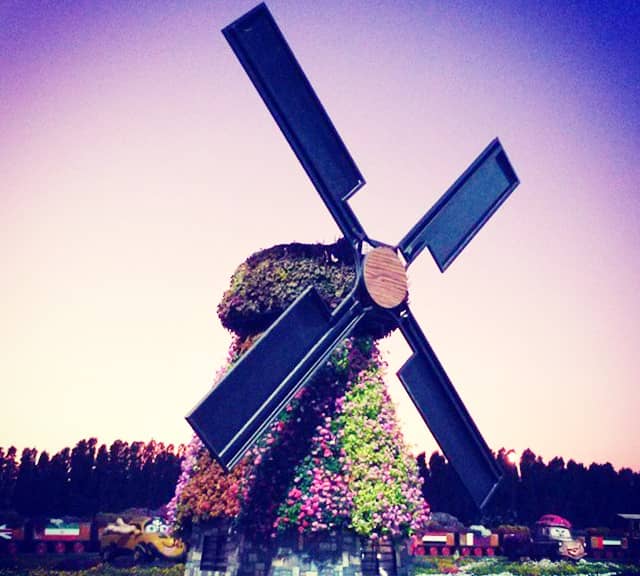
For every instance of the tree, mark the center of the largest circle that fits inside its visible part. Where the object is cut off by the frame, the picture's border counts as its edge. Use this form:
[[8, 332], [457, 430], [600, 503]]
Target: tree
[[602, 488], [444, 490], [166, 466], [137, 491], [59, 480], [26, 483], [82, 502], [8, 477], [504, 504], [42, 493], [116, 497], [100, 479]]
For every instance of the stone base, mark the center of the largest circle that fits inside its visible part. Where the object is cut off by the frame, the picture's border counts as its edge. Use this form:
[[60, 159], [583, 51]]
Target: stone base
[[216, 550]]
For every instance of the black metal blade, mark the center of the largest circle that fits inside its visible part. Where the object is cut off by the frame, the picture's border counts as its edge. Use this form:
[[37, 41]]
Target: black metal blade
[[446, 416], [274, 71], [463, 209], [246, 401]]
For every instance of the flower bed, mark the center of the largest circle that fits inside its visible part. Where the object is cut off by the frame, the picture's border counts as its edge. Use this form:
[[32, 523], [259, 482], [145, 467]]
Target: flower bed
[[98, 570], [335, 457], [500, 567]]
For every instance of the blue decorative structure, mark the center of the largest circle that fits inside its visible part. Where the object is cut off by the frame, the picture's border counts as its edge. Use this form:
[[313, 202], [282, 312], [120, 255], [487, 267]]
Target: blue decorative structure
[[235, 413]]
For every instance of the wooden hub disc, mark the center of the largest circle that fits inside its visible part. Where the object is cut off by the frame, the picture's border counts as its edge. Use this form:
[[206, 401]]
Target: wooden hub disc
[[385, 277]]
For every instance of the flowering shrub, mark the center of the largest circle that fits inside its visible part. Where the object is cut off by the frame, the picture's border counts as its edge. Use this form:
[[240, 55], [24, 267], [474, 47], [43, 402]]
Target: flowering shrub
[[335, 456], [319, 497], [358, 472], [206, 491], [270, 280], [384, 480]]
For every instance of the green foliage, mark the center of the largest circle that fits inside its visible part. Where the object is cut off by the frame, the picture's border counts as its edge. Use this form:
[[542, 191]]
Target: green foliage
[[270, 280], [334, 457], [494, 566], [384, 482], [358, 472], [99, 570]]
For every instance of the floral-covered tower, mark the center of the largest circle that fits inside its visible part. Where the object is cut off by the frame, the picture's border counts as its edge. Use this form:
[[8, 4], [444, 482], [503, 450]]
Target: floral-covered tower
[[334, 461]]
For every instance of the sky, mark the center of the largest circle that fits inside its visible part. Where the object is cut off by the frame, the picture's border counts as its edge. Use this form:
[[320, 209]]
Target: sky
[[139, 167]]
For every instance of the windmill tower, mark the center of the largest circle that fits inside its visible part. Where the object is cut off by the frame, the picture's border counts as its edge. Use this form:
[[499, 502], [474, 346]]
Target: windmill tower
[[243, 407]]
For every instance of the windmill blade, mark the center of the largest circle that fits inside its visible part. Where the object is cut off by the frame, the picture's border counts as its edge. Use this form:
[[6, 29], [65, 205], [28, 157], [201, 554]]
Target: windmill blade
[[267, 59], [446, 416], [463, 209], [246, 401]]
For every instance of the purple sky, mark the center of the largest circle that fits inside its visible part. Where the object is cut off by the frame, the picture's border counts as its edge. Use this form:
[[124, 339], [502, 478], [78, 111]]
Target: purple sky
[[138, 168]]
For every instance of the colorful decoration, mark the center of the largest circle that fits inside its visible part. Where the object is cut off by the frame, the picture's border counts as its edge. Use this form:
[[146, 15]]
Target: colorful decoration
[[335, 457]]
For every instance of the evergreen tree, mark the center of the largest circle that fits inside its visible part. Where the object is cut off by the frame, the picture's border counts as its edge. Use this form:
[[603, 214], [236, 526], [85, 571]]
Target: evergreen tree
[[100, 480], [166, 467], [116, 477], [59, 481], [80, 477], [555, 490], [26, 483], [136, 490], [577, 493], [149, 473], [8, 477], [43, 493], [602, 489], [531, 486]]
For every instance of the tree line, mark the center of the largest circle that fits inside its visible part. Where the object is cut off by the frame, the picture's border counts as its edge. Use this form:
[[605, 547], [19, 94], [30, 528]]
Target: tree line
[[88, 479], [587, 496]]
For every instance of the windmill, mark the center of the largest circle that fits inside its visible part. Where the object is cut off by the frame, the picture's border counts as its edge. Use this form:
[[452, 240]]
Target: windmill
[[231, 418]]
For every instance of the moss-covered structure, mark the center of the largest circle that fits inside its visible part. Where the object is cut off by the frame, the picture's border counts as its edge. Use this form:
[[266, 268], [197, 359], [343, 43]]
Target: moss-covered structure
[[334, 458]]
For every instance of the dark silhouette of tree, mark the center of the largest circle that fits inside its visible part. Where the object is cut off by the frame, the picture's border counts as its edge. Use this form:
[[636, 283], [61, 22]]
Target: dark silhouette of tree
[[100, 479], [8, 477], [42, 493], [577, 504], [116, 497], [423, 469], [444, 491], [59, 479], [555, 489], [627, 480], [82, 502], [166, 467], [87, 479], [532, 474], [149, 472], [602, 488], [503, 508], [136, 494], [26, 483], [588, 497]]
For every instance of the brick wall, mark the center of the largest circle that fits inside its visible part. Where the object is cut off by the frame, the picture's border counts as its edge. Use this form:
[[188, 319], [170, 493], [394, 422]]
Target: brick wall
[[215, 550]]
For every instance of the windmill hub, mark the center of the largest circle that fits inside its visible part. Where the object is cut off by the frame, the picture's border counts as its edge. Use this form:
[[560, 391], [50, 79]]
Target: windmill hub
[[385, 277]]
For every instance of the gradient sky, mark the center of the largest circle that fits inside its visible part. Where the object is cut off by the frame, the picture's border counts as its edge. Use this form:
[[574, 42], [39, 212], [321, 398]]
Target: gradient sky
[[138, 168]]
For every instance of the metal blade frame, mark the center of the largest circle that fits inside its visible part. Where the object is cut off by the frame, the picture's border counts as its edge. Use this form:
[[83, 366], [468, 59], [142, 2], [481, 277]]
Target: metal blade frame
[[272, 67], [339, 326], [445, 229], [446, 416], [463, 209]]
